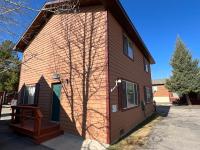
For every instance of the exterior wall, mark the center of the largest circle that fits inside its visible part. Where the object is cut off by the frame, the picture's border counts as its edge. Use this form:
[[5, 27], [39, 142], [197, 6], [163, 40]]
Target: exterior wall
[[162, 91], [161, 100], [49, 53], [162, 94], [120, 66]]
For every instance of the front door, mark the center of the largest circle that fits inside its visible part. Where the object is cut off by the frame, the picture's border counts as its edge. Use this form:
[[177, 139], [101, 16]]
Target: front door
[[55, 116]]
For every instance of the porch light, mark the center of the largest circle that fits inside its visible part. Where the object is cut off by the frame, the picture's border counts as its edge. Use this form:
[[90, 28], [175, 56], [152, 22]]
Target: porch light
[[116, 84], [56, 76]]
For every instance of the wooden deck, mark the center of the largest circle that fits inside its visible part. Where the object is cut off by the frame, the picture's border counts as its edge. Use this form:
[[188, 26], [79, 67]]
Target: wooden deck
[[28, 120]]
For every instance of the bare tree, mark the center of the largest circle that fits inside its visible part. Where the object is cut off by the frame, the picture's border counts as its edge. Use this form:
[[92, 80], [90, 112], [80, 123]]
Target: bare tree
[[10, 11]]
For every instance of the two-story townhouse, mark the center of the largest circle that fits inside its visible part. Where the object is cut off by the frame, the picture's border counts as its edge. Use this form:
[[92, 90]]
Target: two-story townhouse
[[89, 71]]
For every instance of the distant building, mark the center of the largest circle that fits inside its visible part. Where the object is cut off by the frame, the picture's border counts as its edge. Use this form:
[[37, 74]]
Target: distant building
[[161, 93]]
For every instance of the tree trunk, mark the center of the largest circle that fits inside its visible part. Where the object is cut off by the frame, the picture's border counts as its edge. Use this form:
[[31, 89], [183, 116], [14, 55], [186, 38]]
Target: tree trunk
[[188, 99], [1, 100]]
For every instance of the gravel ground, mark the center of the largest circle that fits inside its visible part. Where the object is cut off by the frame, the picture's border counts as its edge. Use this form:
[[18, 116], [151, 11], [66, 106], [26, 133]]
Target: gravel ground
[[178, 130]]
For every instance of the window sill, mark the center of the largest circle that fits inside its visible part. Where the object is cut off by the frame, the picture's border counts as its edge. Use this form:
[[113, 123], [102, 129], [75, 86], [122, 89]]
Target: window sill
[[131, 59], [149, 103], [129, 108]]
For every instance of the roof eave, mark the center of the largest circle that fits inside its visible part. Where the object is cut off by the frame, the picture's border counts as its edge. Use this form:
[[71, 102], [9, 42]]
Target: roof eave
[[21, 44], [151, 59]]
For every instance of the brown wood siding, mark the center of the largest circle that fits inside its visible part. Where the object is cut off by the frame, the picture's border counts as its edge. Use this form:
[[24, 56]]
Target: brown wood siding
[[120, 66], [162, 91], [48, 57]]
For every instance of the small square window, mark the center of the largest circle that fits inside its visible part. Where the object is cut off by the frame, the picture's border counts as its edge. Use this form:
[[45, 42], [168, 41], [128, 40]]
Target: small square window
[[155, 89], [146, 65]]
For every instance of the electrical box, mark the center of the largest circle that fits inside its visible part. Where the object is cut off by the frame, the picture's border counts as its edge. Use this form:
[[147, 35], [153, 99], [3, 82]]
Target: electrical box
[[114, 108]]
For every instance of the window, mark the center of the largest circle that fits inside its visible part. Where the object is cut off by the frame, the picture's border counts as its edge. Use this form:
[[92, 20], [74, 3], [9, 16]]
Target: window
[[146, 65], [129, 94], [148, 94], [128, 47], [29, 94], [155, 89]]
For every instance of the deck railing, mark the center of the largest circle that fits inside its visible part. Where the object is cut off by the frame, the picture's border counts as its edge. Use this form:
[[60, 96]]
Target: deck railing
[[20, 114]]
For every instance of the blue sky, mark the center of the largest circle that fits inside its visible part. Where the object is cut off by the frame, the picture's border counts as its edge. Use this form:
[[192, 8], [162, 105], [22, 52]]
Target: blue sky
[[158, 22]]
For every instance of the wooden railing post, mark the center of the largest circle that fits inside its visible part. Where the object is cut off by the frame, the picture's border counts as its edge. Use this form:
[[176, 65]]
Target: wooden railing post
[[12, 115], [38, 122], [22, 117], [23, 111]]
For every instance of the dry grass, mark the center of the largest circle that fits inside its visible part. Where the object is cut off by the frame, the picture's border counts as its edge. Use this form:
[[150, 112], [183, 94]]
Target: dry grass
[[138, 137]]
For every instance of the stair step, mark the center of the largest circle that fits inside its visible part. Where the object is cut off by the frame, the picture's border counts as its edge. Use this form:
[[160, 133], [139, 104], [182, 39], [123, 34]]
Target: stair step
[[50, 129]]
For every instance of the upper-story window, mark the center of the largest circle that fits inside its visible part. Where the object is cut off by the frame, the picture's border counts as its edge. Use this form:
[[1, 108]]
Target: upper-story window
[[146, 65], [128, 47]]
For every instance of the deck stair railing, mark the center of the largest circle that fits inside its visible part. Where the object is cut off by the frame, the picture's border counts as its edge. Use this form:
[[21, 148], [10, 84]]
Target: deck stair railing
[[21, 114]]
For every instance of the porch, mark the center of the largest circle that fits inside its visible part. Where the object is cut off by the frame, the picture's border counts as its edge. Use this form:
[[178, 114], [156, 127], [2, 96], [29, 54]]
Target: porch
[[29, 120]]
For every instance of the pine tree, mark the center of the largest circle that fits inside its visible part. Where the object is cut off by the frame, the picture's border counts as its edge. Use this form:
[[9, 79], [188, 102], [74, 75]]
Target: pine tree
[[185, 77], [9, 67]]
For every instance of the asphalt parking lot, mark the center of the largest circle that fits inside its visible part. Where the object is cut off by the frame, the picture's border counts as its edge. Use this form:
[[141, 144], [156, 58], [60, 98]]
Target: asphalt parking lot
[[178, 130]]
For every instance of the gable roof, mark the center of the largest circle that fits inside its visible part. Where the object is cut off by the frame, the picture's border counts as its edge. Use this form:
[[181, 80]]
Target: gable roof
[[114, 6], [159, 82]]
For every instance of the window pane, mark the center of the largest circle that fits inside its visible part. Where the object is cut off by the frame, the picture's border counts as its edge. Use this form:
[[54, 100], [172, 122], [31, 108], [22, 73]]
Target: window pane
[[146, 65], [124, 98], [148, 94], [130, 50], [125, 44], [127, 47], [130, 94], [136, 94], [155, 88], [147, 68], [29, 95]]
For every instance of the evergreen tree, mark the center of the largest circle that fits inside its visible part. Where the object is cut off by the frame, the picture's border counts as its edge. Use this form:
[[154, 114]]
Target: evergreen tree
[[9, 67], [185, 77]]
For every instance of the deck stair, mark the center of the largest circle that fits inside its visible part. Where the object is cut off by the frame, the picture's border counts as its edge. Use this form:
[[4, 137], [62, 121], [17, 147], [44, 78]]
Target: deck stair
[[29, 120]]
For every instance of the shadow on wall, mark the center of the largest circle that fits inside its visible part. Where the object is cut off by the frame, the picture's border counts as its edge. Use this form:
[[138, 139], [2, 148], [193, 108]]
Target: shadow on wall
[[44, 99], [79, 60], [71, 114]]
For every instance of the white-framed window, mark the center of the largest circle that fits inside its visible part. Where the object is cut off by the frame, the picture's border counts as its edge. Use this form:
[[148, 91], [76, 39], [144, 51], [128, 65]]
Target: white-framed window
[[128, 47], [155, 88], [146, 65], [148, 94], [130, 94]]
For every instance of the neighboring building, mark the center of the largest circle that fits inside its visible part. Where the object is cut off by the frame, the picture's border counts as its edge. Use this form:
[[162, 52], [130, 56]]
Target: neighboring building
[[52, 70], [161, 94]]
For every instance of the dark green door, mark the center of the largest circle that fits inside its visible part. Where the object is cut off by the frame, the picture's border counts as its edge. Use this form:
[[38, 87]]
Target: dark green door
[[56, 102]]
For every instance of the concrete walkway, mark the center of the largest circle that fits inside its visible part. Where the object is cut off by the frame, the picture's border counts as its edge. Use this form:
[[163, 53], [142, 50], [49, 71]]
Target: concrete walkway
[[71, 142], [180, 130]]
